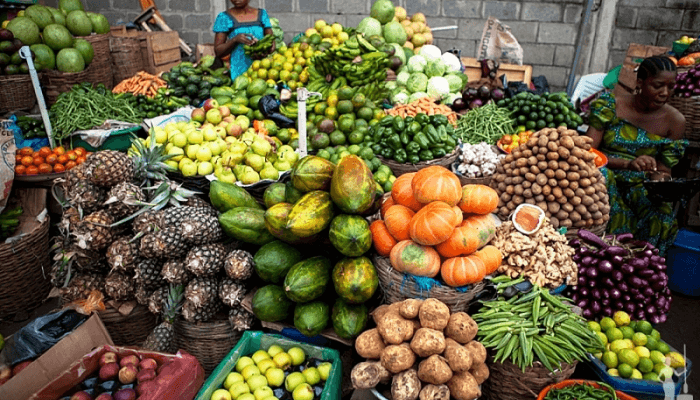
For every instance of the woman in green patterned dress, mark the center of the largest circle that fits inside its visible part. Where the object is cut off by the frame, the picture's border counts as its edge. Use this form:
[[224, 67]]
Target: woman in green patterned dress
[[642, 137]]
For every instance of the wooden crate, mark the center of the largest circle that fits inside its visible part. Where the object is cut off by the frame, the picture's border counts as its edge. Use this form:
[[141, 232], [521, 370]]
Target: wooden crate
[[160, 50], [514, 73], [206, 49], [121, 31]]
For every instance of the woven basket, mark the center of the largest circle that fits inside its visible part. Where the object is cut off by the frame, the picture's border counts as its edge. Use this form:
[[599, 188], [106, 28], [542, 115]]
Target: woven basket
[[690, 108], [400, 169], [101, 70], [463, 180], [398, 287], [17, 93], [209, 341], [128, 330], [508, 382], [24, 267], [55, 82], [126, 57], [597, 230]]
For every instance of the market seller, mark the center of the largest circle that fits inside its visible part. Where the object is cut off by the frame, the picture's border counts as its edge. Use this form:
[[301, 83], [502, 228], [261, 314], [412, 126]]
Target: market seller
[[642, 137], [238, 26]]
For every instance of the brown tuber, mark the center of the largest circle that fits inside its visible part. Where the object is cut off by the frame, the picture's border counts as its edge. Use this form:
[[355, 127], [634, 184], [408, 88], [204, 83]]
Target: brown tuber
[[463, 386], [409, 308], [435, 392], [477, 351], [367, 375], [369, 344], [480, 372], [434, 314], [461, 327], [457, 356], [427, 342], [397, 358], [406, 385], [435, 370]]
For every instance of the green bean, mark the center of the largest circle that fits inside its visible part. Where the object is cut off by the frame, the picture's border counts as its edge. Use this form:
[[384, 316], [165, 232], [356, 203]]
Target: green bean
[[485, 124]]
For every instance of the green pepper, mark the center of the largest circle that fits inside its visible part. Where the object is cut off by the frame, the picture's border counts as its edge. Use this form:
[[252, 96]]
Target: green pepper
[[450, 142], [376, 134], [413, 159], [413, 148], [387, 153], [439, 152], [450, 129], [425, 155], [376, 148], [398, 124], [384, 143], [394, 142], [414, 127], [405, 138], [400, 156], [386, 121], [422, 140], [408, 120], [422, 119], [431, 133], [439, 119], [442, 133]]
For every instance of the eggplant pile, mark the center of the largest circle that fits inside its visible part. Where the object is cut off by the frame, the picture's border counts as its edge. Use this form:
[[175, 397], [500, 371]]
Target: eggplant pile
[[619, 273], [476, 97], [688, 83]]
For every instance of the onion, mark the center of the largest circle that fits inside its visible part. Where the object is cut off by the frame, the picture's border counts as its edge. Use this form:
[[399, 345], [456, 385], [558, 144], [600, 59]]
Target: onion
[[574, 297], [582, 270], [583, 292], [596, 293], [595, 307], [629, 307], [582, 280], [617, 260], [587, 261], [655, 319], [619, 305], [640, 314], [586, 313]]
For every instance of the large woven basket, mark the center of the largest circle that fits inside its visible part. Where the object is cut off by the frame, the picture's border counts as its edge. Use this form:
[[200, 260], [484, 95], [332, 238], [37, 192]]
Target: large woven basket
[[485, 180], [55, 82], [690, 108], [126, 57], [128, 330], [508, 382], [101, 70], [398, 287], [209, 341], [400, 169], [17, 93]]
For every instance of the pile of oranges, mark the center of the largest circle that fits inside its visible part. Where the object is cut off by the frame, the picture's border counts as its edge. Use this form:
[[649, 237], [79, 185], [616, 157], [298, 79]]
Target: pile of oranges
[[47, 161]]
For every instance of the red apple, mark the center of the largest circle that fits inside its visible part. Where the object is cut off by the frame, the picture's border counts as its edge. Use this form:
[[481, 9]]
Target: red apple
[[81, 396], [5, 372], [209, 104], [104, 396], [148, 363], [108, 357], [128, 374], [132, 359], [225, 111], [125, 394], [109, 371], [229, 119], [19, 367], [233, 129], [146, 375], [146, 387], [198, 115]]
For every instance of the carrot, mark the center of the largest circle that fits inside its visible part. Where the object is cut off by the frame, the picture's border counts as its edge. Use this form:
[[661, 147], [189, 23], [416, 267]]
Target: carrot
[[141, 83]]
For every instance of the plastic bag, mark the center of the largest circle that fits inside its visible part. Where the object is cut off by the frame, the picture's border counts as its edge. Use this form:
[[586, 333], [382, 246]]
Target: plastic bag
[[539, 83], [40, 335], [270, 107], [498, 43]]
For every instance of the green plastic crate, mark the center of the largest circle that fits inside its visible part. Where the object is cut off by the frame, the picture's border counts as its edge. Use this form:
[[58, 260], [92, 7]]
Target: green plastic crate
[[118, 140], [253, 341]]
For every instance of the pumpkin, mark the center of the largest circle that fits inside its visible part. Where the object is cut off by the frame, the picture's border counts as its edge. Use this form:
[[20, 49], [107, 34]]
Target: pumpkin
[[436, 183], [402, 193], [491, 257], [462, 242], [412, 258], [388, 202], [396, 220], [460, 214], [460, 271], [485, 226], [433, 224], [381, 238], [478, 199]]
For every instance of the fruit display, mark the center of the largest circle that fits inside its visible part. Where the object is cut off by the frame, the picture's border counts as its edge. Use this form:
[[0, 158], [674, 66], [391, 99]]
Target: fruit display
[[275, 374], [9, 221], [323, 32], [194, 82], [430, 72], [508, 143], [477, 160], [534, 326], [381, 173], [448, 229], [451, 363], [47, 161], [260, 48], [7, 372], [288, 64], [395, 26], [556, 171], [485, 124], [536, 112], [634, 349], [619, 273], [31, 127], [10, 61]]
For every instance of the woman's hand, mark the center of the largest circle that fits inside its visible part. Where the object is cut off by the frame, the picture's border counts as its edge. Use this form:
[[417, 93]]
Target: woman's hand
[[245, 39], [643, 163]]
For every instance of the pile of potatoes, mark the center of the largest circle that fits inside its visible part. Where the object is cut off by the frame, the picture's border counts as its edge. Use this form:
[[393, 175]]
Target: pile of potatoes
[[556, 171], [424, 350]]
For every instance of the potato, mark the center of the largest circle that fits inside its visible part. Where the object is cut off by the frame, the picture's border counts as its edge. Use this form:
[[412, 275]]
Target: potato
[[461, 327], [394, 329], [435, 370], [463, 386], [435, 392], [427, 342], [409, 308], [434, 314], [368, 374], [477, 351], [370, 344], [397, 358], [405, 386], [457, 356]]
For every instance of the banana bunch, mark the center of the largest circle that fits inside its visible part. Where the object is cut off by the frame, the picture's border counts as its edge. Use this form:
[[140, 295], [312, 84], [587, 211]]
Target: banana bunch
[[344, 62], [260, 48], [290, 109], [9, 221], [375, 91]]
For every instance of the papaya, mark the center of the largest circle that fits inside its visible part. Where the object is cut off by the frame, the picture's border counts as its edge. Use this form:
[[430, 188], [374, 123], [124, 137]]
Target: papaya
[[355, 279], [270, 304], [349, 320], [311, 318], [312, 173], [307, 280], [350, 235], [291, 194], [276, 223], [238, 109], [273, 261], [311, 214], [246, 224], [353, 188], [225, 196], [274, 194]]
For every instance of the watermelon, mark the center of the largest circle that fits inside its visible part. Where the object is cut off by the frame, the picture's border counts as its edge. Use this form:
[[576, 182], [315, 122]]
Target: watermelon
[[348, 320], [270, 304], [353, 186], [307, 280], [312, 173], [350, 235], [274, 260], [311, 318], [355, 279]]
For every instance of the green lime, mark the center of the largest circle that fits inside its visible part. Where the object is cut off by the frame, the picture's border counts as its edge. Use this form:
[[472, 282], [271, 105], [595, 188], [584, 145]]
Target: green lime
[[594, 326], [541, 124], [613, 372], [610, 359], [621, 318], [663, 347], [629, 357], [356, 137], [323, 153], [337, 137], [366, 153], [636, 374], [633, 325], [381, 177], [655, 334], [603, 338], [644, 327], [625, 370], [639, 339], [354, 149], [613, 334], [618, 345], [530, 125], [657, 357], [652, 343], [645, 365], [651, 376], [627, 332], [607, 323]]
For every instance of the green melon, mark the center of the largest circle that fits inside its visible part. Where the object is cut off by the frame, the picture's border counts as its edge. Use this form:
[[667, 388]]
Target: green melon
[[350, 235], [270, 304], [85, 48], [307, 280], [58, 37], [78, 23], [24, 29], [355, 279], [44, 57], [41, 15], [311, 318], [66, 6], [273, 261], [349, 320], [70, 60], [99, 22], [58, 17]]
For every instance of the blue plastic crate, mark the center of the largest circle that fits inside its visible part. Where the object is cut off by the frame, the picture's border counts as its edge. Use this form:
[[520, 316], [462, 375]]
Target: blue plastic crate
[[683, 261]]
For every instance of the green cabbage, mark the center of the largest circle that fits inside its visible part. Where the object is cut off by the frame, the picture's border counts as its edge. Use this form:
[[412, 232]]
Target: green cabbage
[[402, 78], [418, 82], [417, 63], [435, 68], [455, 82], [438, 87]]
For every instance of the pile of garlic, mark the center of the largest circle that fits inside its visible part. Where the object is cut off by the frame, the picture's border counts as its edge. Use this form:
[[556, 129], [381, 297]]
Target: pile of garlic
[[478, 160]]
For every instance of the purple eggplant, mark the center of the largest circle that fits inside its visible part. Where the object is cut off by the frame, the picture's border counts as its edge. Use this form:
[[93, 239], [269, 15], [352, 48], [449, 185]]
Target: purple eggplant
[[605, 267], [607, 311], [595, 293], [617, 275], [582, 281], [615, 293], [582, 303], [592, 239], [629, 308], [583, 292], [645, 273], [624, 237], [617, 260], [648, 292], [592, 272], [608, 282], [605, 302], [627, 269], [626, 298], [588, 314], [497, 94], [595, 306], [655, 319], [617, 251]]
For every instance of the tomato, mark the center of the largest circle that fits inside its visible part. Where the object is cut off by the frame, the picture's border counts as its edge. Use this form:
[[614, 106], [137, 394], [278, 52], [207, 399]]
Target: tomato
[[59, 151], [45, 169], [18, 159], [32, 170], [27, 161], [70, 164], [51, 159], [26, 151], [44, 151], [20, 169], [71, 155], [58, 168], [38, 160], [63, 159], [80, 160], [80, 151], [506, 139]]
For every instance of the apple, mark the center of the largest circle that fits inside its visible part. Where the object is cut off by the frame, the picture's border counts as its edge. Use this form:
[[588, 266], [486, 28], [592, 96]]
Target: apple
[[274, 350], [233, 129], [311, 375], [209, 134], [198, 115], [125, 394], [215, 148], [214, 116], [108, 357], [205, 168], [203, 153], [179, 140], [243, 362], [231, 378], [238, 389], [178, 154], [128, 374], [275, 377], [266, 364], [210, 104], [246, 396], [82, 395], [189, 169], [293, 380], [191, 151], [195, 137], [221, 394], [255, 382], [324, 369], [229, 119], [146, 375], [283, 360], [225, 111], [221, 130], [297, 354], [19, 367], [303, 392], [104, 396], [227, 175], [250, 371], [263, 392], [148, 363], [109, 371]]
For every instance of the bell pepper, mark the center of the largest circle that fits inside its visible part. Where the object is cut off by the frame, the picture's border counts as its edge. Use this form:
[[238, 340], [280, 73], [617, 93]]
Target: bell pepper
[[413, 148], [422, 119], [384, 143], [425, 155], [414, 127], [450, 142], [413, 159], [432, 134], [439, 152], [442, 133], [400, 156], [405, 138], [387, 153], [377, 133], [440, 119], [376, 148], [398, 124], [394, 142], [421, 140], [450, 129], [408, 120], [386, 121]]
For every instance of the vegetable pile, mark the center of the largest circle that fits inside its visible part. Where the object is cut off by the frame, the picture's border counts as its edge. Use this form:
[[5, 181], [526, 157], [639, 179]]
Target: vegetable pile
[[536, 326], [9, 221], [161, 104], [537, 112], [142, 83], [688, 83], [194, 83], [412, 140], [544, 257], [476, 97], [619, 273], [31, 127], [450, 362], [478, 160], [583, 391], [485, 124], [429, 74], [556, 171], [424, 105], [509, 142]]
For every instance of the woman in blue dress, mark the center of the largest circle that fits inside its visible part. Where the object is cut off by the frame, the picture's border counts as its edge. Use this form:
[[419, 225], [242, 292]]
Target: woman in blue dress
[[238, 26]]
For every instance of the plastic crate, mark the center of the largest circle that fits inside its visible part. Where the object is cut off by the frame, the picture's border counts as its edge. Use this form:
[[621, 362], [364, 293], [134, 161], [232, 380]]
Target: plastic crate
[[256, 340], [683, 261], [117, 140]]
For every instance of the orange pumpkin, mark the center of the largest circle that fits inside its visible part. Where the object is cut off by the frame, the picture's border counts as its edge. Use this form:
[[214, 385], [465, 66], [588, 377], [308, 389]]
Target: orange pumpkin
[[433, 224], [436, 184], [381, 238], [485, 225], [478, 199], [412, 258], [460, 214], [491, 257], [396, 220], [462, 242], [460, 271], [402, 193], [388, 202]]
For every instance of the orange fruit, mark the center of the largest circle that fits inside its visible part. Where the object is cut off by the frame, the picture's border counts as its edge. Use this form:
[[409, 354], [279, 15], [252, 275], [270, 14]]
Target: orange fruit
[[80, 160], [27, 161], [51, 159], [18, 159], [44, 151], [45, 169], [59, 151], [70, 164], [26, 151], [58, 168], [80, 151], [38, 160], [62, 159], [20, 169], [32, 170], [71, 155]]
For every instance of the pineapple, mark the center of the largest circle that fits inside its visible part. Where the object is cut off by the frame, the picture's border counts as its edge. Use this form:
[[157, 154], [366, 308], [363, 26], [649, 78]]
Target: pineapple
[[80, 192], [205, 260], [146, 222], [59, 274], [201, 229], [124, 199], [231, 292], [107, 168], [148, 273], [203, 314], [118, 286], [174, 272], [198, 202], [174, 216], [142, 295], [157, 300], [201, 291], [161, 339], [94, 232], [81, 285], [122, 255], [239, 265], [71, 218], [241, 320], [167, 243]]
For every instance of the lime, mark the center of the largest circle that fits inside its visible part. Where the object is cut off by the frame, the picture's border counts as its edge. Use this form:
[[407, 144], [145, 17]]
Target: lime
[[594, 326], [663, 347], [354, 149], [645, 365], [607, 323], [323, 153], [630, 345], [644, 327], [639, 339], [610, 359], [337, 137], [367, 153], [603, 338], [636, 374], [345, 107], [628, 357], [633, 325], [655, 334], [618, 345], [651, 376], [381, 177], [657, 357], [365, 113], [624, 370], [627, 332], [652, 343], [642, 351], [346, 93], [621, 318], [356, 137], [598, 355], [613, 334], [613, 372]]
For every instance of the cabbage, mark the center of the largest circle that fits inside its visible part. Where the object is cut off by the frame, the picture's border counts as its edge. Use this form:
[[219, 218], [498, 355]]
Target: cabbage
[[402, 78], [391, 85], [455, 83], [452, 62], [451, 98], [430, 52], [418, 82], [400, 98], [416, 96], [438, 87], [435, 68], [417, 63]]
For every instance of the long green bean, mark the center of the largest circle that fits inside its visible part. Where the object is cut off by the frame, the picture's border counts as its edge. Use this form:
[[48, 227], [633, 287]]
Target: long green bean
[[583, 391], [485, 124]]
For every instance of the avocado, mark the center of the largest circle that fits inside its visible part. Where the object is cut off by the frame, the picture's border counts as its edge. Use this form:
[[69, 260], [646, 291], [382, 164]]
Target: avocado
[[4, 59], [7, 47], [12, 69], [16, 59]]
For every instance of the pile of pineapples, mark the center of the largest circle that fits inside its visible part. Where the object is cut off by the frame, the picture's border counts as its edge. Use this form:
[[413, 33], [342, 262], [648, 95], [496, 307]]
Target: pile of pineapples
[[129, 233]]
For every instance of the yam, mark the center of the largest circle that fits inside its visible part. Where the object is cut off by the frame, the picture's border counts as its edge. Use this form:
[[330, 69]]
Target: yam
[[409, 308], [434, 370], [457, 356], [434, 314], [380, 311], [480, 372], [397, 358], [394, 329], [461, 327], [477, 351], [435, 392], [427, 342], [463, 386], [368, 374], [406, 385], [370, 344]]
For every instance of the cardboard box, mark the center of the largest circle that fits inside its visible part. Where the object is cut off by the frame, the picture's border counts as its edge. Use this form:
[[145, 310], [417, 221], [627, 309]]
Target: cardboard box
[[160, 51], [206, 49], [514, 73], [635, 53], [40, 373]]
